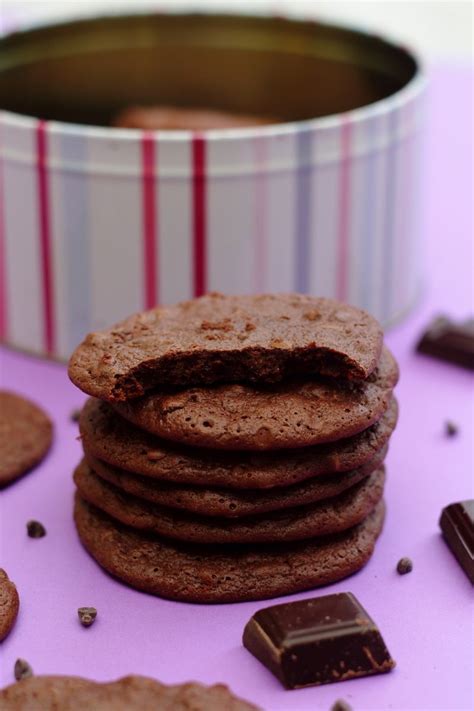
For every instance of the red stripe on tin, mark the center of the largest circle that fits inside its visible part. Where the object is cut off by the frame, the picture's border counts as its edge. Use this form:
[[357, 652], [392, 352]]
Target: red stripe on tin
[[199, 216], [343, 255], [150, 246], [49, 336]]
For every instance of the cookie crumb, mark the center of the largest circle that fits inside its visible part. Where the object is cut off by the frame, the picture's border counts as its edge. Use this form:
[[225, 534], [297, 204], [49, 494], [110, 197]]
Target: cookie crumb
[[404, 566], [155, 456], [35, 529], [341, 705], [22, 670], [75, 415], [451, 429], [87, 615]]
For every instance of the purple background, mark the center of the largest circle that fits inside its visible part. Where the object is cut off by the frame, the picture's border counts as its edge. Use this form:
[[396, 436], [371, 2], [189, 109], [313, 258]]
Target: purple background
[[426, 617]]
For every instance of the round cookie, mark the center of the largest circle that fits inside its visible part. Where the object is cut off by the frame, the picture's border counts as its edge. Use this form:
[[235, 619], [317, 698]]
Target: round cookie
[[108, 437], [210, 574], [322, 518], [70, 693], [26, 434], [232, 503], [177, 118], [217, 338], [288, 415], [9, 605]]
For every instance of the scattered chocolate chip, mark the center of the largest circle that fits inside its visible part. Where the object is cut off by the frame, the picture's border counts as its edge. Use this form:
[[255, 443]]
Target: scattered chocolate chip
[[404, 566], [22, 670], [35, 529], [341, 705], [451, 429], [87, 616], [75, 415]]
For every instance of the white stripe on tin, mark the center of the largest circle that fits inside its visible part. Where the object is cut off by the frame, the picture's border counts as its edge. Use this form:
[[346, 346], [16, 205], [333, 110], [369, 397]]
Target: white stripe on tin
[[325, 187], [280, 218], [115, 233], [377, 247], [22, 246], [230, 235], [174, 223]]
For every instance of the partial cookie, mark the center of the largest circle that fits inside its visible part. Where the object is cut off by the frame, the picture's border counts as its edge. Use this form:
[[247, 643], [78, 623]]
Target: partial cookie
[[9, 605], [26, 434], [289, 415], [219, 338], [211, 574], [70, 693], [232, 503], [321, 518], [106, 436], [178, 118]]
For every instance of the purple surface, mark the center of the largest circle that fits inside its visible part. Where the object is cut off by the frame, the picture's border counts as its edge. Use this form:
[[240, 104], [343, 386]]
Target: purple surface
[[425, 617]]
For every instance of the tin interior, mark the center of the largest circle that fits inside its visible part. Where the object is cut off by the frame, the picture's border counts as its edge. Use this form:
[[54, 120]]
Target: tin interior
[[88, 70]]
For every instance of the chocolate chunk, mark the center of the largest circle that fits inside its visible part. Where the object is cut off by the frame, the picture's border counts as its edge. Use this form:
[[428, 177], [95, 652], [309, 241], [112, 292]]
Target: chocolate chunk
[[75, 415], [35, 529], [457, 525], [449, 341], [317, 641], [87, 616], [22, 670], [341, 705], [404, 566], [451, 429]]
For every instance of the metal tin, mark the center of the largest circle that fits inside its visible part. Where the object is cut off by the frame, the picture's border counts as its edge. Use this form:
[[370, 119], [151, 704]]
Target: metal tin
[[99, 222]]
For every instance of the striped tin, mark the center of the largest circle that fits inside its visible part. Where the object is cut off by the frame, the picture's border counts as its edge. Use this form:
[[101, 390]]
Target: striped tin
[[97, 223]]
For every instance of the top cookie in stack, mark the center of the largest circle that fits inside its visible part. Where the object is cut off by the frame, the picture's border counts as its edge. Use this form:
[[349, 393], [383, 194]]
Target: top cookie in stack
[[261, 421]]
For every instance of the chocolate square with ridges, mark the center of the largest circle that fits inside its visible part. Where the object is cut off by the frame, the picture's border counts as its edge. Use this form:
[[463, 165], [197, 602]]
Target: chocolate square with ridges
[[317, 641], [457, 525]]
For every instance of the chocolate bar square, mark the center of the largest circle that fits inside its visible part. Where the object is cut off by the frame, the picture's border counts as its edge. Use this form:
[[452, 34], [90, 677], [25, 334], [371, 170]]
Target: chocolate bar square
[[457, 525], [317, 641]]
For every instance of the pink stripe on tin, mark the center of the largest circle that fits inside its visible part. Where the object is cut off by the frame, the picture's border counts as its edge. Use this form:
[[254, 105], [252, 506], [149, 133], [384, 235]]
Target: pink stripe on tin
[[150, 246], [344, 212], [49, 335], [259, 277], [199, 215]]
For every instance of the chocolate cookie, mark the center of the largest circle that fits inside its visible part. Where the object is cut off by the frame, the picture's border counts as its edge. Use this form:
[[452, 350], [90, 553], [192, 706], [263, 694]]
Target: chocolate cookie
[[291, 414], [318, 519], [70, 693], [177, 118], [211, 574], [108, 437], [220, 338], [232, 503], [9, 605], [26, 434]]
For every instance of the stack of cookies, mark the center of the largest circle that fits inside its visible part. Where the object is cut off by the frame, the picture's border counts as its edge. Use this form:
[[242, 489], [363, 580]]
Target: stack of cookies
[[234, 446]]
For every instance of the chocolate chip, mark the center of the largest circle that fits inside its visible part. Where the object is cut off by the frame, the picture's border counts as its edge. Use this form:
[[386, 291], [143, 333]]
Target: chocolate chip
[[87, 616], [22, 670], [35, 529], [341, 705], [75, 415], [404, 566], [451, 429]]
